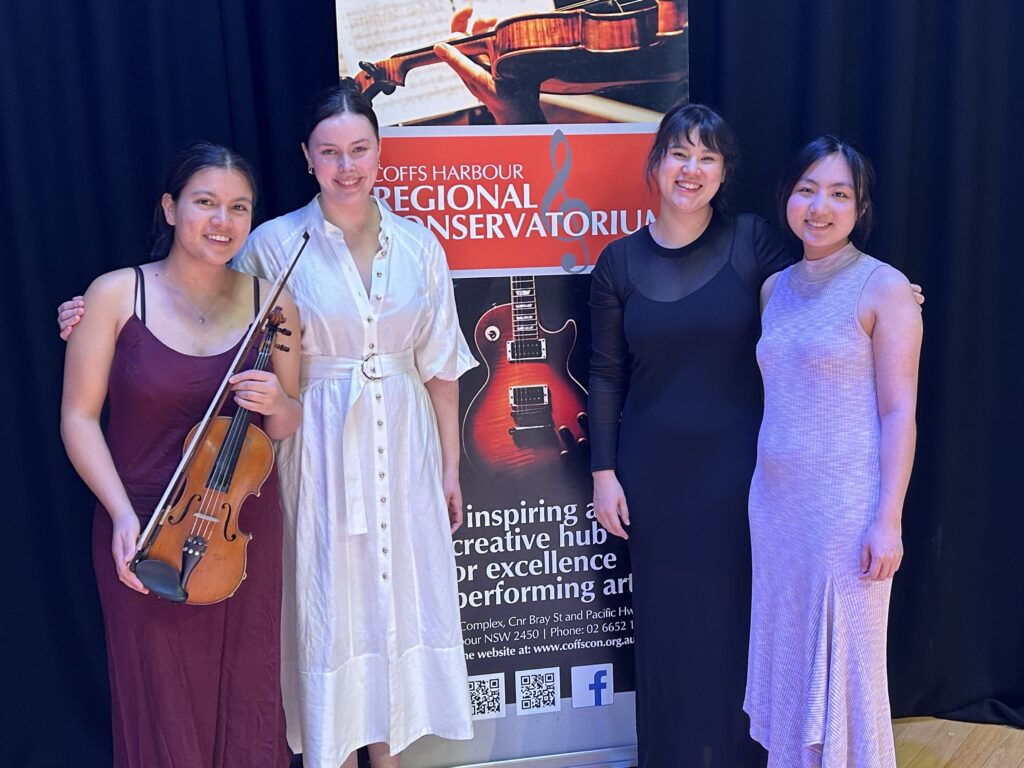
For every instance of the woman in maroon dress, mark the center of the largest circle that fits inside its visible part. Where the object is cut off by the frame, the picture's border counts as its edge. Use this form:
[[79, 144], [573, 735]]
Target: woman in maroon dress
[[191, 686]]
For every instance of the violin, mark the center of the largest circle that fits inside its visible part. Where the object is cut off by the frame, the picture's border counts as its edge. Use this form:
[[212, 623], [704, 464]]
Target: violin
[[193, 551], [586, 47]]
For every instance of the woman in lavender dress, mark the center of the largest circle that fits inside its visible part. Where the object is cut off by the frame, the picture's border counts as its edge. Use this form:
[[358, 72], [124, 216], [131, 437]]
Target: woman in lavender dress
[[839, 356]]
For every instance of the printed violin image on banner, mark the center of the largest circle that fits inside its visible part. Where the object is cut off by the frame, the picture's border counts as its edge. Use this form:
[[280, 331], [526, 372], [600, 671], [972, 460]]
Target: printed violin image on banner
[[524, 62], [584, 47], [531, 410]]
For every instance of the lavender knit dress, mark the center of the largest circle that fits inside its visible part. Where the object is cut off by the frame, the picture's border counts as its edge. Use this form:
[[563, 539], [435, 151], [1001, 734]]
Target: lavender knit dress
[[816, 677]]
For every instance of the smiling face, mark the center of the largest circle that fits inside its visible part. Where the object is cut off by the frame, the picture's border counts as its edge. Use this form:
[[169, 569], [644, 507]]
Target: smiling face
[[689, 175], [344, 152], [822, 206], [212, 214]]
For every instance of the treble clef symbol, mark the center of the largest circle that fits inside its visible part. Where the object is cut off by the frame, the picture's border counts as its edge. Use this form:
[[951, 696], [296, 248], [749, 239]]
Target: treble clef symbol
[[568, 204]]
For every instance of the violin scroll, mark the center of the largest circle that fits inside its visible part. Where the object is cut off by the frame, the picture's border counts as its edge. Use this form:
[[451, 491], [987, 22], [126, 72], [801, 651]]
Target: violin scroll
[[276, 318]]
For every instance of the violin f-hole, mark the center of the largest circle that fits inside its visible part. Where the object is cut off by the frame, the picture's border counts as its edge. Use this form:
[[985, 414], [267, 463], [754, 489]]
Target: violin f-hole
[[196, 498]]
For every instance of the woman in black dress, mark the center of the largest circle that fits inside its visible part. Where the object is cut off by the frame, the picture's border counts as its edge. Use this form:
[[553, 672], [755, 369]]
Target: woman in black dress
[[675, 405]]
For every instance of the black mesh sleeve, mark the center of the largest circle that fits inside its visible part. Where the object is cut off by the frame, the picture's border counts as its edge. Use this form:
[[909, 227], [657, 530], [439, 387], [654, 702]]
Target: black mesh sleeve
[[609, 362], [771, 250]]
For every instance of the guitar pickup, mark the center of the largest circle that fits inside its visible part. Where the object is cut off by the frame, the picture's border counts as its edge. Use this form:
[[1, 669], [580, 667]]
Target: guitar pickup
[[531, 408], [528, 397], [524, 350]]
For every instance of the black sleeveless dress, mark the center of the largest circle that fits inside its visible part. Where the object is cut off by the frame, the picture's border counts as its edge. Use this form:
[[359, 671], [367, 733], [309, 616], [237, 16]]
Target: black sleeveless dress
[[191, 686], [674, 332]]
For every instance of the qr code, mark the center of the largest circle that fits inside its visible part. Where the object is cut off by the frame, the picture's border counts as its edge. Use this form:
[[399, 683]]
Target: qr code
[[487, 696], [537, 690]]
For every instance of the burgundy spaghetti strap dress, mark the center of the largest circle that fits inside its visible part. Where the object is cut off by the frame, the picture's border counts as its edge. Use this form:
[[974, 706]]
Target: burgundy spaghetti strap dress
[[191, 686]]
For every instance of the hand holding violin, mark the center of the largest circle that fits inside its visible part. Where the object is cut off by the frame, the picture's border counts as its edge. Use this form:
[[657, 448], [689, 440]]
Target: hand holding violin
[[260, 392], [123, 545]]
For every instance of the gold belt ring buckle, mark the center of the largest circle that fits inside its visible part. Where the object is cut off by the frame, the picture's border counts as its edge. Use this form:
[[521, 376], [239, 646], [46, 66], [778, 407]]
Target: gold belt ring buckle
[[371, 373]]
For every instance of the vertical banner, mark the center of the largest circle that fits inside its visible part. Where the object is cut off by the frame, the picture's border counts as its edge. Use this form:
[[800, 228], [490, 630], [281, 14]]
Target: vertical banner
[[524, 153]]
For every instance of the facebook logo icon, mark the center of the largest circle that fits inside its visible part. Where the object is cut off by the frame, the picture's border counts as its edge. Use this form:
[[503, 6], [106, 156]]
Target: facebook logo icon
[[593, 685]]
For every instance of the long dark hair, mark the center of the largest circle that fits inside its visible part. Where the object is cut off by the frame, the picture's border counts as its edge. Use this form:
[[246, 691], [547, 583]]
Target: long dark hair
[[861, 169], [189, 160], [698, 123], [343, 98]]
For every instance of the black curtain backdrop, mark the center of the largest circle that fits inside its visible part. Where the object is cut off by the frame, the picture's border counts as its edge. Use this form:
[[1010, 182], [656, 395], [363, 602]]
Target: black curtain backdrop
[[95, 97]]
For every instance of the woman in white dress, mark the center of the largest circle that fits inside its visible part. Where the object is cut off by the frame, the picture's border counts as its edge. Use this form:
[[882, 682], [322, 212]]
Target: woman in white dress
[[371, 639], [372, 646]]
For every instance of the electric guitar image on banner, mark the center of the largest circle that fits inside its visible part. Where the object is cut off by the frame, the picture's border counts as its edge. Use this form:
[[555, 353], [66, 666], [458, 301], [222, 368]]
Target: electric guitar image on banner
[[531, 408]]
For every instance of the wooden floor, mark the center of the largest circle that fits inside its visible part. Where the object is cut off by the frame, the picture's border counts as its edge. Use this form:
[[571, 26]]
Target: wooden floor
[[924, 742]]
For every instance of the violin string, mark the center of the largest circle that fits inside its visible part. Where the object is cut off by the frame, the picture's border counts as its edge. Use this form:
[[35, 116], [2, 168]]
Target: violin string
[[213, 497], [201, 526], [621, 4], [237, 434], [232, 445]]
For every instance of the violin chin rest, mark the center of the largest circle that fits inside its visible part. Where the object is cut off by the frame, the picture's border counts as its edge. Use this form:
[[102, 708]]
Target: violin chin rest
[[161, 579]]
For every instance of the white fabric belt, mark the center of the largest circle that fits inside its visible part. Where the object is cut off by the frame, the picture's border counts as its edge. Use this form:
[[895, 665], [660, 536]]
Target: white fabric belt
[[359, 371]]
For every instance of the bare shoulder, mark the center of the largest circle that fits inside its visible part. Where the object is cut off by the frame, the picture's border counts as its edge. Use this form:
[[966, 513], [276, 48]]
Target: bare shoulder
[[886, 288], [113, 283], [889, 298], [887, 279], [109, 302], [767, 287], [112, 294]]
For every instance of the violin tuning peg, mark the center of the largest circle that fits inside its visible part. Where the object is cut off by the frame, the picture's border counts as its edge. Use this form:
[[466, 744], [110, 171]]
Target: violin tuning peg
[[282, 347], [284, 331]]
